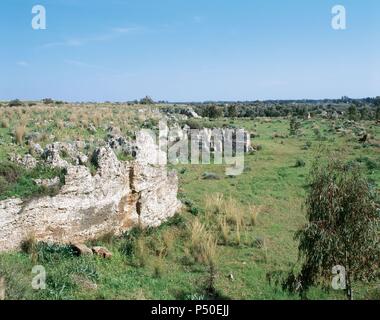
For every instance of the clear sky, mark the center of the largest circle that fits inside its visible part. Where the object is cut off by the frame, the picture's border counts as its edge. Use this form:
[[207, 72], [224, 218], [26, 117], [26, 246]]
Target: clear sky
[[189, 50]]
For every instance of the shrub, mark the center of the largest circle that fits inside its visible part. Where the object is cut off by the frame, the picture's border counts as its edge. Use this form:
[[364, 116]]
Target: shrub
[[4, 123], [210, 176], [48, 101], [15, 103], [129, 241], [50, 252], [307, 145], [194, 124], [300, 163], [213, 112], [10, 172], [294, 126], [369, 163], [3, 184], [29, 246], [147, 100]]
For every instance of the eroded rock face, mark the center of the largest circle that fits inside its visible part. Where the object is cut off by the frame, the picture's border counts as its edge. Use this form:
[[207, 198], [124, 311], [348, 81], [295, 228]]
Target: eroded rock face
[[119, 196]]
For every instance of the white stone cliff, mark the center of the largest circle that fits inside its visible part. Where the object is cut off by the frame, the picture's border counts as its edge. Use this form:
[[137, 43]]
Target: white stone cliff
[[119, 196]]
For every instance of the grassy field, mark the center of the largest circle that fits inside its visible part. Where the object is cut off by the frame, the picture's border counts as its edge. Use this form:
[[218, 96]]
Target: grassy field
[[247, 221]]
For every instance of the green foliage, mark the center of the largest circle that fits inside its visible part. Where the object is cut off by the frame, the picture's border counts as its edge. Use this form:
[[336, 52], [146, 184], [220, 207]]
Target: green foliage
[[122, 156], [343, 226], [353, 113], [147, 100], [16, 181], [50, 252], [48, 101], [307, 145], [369, 163], [232, 111], [377, 115], [213, 112], [130, 239], [15, 103], [194, 124], [294, 126], [300, 163], [210, 176]]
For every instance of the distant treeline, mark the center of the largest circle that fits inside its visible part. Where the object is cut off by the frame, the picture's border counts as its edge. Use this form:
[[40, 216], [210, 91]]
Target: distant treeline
[[354, 109]]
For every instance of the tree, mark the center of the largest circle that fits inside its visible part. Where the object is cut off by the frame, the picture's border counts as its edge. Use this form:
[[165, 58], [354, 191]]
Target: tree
[[147, 100], [15, 103], [294, 126], [48, 101], [232, 111], [377, 105], [363, 114], [214, 112], [352, 113], [377, 102], [343, 226]]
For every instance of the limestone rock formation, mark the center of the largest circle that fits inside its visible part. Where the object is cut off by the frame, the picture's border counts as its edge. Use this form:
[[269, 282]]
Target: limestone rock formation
[[119, 196]]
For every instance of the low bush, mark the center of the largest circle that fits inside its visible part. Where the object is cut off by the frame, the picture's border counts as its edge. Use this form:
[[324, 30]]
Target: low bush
[[300, 163], [15, 103], [210, 176]]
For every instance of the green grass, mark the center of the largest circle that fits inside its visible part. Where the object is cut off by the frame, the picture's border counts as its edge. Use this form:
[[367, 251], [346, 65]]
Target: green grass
[[18, 182], [270, 180]]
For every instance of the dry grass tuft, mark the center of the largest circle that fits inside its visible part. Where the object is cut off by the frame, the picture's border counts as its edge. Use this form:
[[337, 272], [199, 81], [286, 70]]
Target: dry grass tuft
[[214, 203], [4, 123], [158, 266], [234, 212], [202, 244], [139, 295], [29, 246], [141, 252], [254, 212], [168, 238], [20, 134], [223, 229]]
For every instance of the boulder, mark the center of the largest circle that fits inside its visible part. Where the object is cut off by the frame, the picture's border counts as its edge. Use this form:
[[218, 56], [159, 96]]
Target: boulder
[[28, 161], [81, 249], [36, 149], [48, 183], [189, 112], [102, 252]]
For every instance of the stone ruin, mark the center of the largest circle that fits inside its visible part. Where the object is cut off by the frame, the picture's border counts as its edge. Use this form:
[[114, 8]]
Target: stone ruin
[[117, 197]]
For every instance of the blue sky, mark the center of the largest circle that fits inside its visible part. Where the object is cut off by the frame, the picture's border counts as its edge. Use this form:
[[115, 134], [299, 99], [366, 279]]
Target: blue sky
[[189, 50]]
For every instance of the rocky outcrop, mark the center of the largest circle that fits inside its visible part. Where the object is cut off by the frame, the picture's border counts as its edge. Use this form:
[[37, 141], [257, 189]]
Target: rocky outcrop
[[191, 113], [27, 161], [119, 196]]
